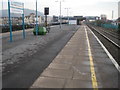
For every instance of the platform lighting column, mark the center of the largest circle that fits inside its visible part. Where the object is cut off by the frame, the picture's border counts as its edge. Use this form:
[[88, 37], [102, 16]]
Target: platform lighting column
[[36, 20], [60, 16], [112, 14], [68, 14]]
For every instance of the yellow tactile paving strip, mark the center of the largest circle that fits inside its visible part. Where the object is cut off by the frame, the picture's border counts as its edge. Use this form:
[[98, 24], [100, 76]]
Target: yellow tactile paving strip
[[70, 68], [93, 74]]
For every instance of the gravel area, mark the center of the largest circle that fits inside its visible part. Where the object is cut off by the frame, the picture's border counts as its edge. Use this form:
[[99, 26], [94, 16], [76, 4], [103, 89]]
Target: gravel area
[[15, 51]]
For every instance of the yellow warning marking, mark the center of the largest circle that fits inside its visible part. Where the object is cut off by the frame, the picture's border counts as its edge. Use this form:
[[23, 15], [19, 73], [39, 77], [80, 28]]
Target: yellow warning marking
[[93, 75]]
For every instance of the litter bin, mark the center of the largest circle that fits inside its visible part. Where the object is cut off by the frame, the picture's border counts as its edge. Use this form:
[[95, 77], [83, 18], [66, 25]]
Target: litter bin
[[41, 31]]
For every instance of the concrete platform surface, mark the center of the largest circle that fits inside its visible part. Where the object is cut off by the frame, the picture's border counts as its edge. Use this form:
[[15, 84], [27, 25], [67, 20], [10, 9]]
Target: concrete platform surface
[[82, 63]]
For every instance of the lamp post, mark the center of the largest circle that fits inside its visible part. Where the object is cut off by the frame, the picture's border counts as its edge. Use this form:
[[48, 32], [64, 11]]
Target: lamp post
[[36, 20], [67, 14], [2, 4], [112, 14], [60, 13]]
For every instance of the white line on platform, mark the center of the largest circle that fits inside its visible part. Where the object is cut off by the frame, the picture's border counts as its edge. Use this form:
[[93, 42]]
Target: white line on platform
[[107, 52]]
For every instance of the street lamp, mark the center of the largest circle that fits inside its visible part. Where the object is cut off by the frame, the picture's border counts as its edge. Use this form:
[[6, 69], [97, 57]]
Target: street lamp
[[67, 14], [60, 13], [36, 20], [2, 4], [112, 14]]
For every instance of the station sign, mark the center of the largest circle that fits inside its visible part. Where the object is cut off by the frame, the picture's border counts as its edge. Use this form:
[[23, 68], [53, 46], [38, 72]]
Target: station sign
[[16, 7]]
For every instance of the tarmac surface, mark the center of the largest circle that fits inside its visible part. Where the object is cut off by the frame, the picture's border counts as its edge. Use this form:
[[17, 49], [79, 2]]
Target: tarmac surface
[[25, 59], [64, 58], [82, 63]]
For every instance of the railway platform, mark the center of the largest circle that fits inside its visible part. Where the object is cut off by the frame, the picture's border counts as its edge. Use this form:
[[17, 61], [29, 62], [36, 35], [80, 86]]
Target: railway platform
[[84, 62]]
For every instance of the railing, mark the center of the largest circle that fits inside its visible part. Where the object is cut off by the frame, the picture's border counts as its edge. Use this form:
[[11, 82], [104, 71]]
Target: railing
[[108, 26]]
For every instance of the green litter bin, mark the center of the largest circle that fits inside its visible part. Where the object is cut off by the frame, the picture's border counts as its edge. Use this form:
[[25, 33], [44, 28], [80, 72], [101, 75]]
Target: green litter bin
[[41, 31]]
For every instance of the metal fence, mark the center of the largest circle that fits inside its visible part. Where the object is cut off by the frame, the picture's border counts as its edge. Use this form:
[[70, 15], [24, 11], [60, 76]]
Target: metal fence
[[111, 26], [108, 26]]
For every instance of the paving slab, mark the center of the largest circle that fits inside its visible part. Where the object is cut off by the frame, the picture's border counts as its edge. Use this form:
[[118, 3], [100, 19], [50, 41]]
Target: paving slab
[[76, 83], [73, 65], [57, 73], [48, 82], [24, 72], [59, 66]]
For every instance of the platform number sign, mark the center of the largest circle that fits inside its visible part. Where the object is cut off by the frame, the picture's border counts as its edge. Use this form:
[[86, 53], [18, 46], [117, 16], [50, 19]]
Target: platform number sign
[[15, 7]]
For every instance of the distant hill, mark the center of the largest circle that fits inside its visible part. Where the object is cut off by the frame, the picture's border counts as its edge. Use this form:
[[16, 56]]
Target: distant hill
[[26, 12]]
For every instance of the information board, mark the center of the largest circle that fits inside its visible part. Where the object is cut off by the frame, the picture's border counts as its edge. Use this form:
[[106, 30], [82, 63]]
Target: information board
[[15, 7]]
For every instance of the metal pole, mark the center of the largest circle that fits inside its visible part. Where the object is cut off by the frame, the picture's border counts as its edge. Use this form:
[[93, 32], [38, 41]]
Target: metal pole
[[2, 11], [23, 23], [67, 12], [112, 14], [9, 20], [46, 21], [36, 20], [60, 14], [2, 4], [67, 15]]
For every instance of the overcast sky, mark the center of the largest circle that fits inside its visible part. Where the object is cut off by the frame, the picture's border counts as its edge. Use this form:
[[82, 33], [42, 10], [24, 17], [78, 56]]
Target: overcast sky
[[77, 7]]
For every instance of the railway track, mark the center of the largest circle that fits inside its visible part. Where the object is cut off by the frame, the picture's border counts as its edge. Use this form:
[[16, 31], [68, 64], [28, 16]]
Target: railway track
[[115, 32], [111, 33], [107, 37], [109, 42]]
